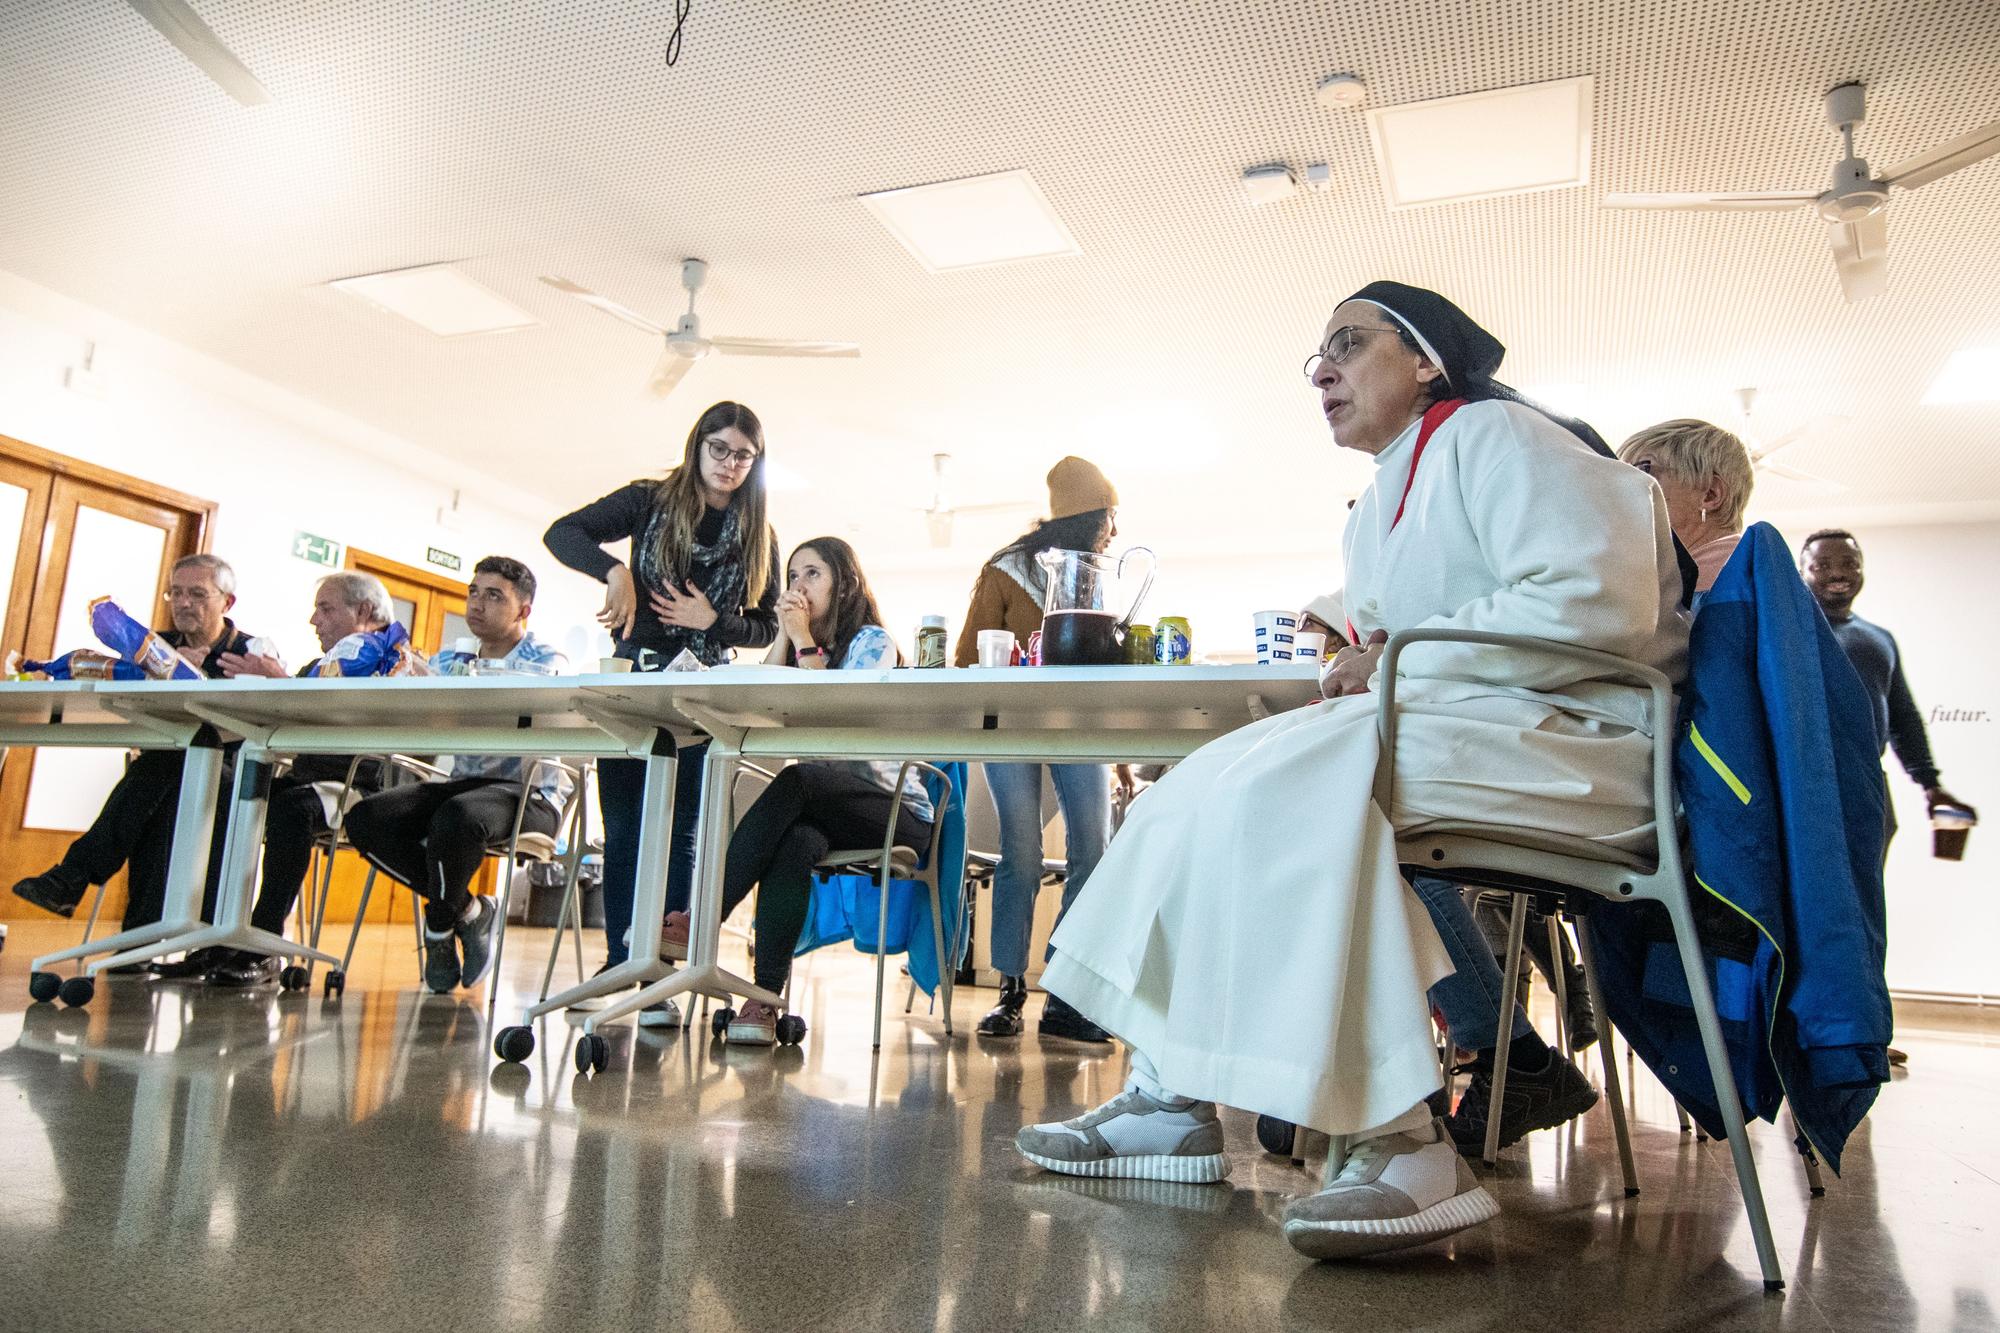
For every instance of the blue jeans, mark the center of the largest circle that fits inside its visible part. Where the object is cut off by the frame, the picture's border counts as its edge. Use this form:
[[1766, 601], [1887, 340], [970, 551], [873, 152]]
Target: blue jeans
[[1470, 997], [1083, 791], [621, 792]]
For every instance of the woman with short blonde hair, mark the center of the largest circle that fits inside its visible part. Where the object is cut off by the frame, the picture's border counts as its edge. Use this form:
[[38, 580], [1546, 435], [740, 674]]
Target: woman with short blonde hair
[[1707, 476]]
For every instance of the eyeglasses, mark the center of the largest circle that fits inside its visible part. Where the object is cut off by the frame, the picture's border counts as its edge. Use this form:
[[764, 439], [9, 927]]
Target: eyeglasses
[[1339, 345], [193, 596], [722, 453]]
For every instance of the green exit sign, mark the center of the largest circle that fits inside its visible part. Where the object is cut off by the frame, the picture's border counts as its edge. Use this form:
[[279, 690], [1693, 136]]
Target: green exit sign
[[316, 550], [442, 559]]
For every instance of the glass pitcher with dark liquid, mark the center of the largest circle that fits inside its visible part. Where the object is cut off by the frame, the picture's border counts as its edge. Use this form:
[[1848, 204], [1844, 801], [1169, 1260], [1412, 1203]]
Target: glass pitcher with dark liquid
[[1082, 620]]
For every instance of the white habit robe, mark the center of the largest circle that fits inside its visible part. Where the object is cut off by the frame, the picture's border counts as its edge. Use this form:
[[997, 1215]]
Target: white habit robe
[[1249, 930]]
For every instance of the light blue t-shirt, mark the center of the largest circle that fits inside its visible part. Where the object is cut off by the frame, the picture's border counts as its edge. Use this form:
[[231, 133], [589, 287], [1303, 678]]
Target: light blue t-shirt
[[871, 649]]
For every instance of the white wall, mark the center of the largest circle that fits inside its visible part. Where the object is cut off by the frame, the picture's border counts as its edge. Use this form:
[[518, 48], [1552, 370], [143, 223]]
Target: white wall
[[274, 463]]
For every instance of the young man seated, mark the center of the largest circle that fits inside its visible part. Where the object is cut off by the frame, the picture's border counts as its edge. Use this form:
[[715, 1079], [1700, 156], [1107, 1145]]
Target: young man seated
[[136, 822], [432, 836], [296, 813]]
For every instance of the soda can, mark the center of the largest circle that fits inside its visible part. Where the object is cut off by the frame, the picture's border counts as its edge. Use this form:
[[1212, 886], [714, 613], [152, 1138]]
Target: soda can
[[1139, 645], [1173, 642], [1035, 648]]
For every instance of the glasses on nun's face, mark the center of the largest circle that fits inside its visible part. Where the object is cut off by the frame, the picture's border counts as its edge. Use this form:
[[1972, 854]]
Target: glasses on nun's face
[[1341, 344]]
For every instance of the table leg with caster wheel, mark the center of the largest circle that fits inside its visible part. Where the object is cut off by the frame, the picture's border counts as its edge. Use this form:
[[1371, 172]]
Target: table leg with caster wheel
[[516, 1043]]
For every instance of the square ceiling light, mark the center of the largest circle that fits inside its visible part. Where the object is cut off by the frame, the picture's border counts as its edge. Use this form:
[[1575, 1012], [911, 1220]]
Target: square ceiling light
[[1970, 375], [970, 223], [438, 298], [1510, 141]]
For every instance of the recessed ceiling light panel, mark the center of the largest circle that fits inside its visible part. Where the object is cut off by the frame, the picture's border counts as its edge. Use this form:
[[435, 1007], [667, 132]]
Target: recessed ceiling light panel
[[1970, 375], [1509, 141], [438, 298], [973, 222]]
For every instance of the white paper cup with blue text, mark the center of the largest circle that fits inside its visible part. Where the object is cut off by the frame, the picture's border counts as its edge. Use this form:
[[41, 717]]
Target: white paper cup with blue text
[[1275, 632], [1308, 647]]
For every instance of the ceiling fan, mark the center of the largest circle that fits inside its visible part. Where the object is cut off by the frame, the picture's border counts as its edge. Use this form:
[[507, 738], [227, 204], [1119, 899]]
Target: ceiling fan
[[1760, 454], [684, 342], [940, 512], [179, 24], [1856, 207]]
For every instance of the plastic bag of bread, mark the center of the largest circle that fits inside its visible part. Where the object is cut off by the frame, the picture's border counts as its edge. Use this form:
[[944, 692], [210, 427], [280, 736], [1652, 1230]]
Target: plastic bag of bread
[[379, 652], [81, 664], [154, 656]]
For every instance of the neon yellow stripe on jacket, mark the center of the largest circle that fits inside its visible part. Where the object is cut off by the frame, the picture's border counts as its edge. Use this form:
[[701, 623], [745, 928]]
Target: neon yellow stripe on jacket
[[1715, 762]]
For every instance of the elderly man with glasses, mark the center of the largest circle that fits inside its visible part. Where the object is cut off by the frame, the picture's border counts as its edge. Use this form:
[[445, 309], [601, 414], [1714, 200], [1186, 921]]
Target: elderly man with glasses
[[137, 818]]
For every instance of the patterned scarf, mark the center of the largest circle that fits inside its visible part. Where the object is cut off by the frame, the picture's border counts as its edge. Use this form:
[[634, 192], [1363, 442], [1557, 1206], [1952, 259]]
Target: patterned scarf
[[716, 569]]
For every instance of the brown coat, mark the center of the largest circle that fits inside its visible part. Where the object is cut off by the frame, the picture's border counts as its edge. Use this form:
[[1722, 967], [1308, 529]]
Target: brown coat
[[998, 602]]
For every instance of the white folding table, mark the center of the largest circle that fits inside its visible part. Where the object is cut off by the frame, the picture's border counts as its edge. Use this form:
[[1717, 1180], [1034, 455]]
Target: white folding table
[[496, 715], [78, 714], [1059, 715]]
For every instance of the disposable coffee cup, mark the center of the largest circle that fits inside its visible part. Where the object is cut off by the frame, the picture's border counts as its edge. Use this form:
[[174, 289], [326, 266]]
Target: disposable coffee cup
[[1274, 631], [1308, 647], [613, 666], [996, 647], [1950, 826]]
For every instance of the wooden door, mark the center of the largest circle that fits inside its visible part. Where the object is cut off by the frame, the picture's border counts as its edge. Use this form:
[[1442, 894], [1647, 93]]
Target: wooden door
[[70, 533]]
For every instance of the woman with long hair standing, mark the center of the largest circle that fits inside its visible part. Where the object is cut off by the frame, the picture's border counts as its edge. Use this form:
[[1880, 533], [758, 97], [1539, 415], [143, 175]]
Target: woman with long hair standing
[[701, 578], [1010, 594], [827, 620]]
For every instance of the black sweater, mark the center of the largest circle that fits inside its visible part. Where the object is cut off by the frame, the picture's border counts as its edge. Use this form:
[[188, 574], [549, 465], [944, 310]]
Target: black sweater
[[578, 541]]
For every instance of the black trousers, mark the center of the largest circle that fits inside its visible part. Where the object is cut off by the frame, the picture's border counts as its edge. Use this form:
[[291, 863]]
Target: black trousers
[[152, 781], [294, 816], [805, 813], [621, 793], [432, 836]]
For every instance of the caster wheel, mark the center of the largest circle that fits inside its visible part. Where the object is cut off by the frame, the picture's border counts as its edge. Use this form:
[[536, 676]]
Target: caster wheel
[[515, 1044], [76, 991], [791, 1030], [44, 986], [294, 978], [1276, 1136], [336, 983], [593, 1053], [719, 1021]]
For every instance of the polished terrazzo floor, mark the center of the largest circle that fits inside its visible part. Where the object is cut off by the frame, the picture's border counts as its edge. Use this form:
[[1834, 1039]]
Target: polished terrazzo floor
[[175, 1158]]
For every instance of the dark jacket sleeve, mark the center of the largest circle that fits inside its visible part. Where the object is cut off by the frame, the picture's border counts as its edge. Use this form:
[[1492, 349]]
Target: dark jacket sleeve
[[577, 539], [757, 626], [1906, 730]]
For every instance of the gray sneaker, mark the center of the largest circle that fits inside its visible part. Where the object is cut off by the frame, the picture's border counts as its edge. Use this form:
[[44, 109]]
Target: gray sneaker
[[1394, 1192], [1134, 1137], [475, 941], [661, 1014], [441, 961]]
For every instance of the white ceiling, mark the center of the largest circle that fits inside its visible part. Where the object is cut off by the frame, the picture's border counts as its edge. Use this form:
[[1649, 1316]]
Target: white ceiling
[[525, 139]]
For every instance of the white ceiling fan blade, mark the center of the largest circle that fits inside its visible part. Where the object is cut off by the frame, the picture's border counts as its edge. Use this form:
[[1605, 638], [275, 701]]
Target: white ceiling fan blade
[[606, 304], [782, 347], [197, 41], [939, 523], [998, 507], [1861, 255], [1732, 202], [1804, 478], [668, 372], [1946, 158]]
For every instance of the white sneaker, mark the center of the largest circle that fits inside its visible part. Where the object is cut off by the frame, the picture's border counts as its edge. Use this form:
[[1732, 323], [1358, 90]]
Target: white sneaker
[[664, 1014], [1135, 1137], [1394, 1192]]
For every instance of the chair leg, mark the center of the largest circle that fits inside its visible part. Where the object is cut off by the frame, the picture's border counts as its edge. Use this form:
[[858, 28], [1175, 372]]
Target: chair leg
[[506, 897], [1612, 1091], [565, 915], [881, 948], [937, 943], [90, 926], [1510, 981], [1559, 984], [326, 859], [1696, 969], [360, 915], [1815, 1183], [1681, 1114]]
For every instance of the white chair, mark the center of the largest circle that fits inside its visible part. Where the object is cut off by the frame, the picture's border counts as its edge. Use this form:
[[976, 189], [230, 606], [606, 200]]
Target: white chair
[[1569, 871]]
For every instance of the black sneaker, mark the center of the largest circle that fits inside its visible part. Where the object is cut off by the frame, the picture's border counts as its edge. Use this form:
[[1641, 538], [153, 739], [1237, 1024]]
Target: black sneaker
[[1553, 1096], [475, 941], [242, 969], [1581, 1015], [1004, 1019], [194, 964], [1060, 1019], [57, 889], [441, 967]]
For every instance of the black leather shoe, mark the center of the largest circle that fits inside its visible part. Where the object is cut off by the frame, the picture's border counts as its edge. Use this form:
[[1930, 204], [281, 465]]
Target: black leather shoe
[[195, 964], [1060, 1019], [57, 889], [243, 968], [1004, 1019]]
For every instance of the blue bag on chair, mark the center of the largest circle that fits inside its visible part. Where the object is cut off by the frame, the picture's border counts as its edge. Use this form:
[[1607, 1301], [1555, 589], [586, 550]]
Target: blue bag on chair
[[848, 907]]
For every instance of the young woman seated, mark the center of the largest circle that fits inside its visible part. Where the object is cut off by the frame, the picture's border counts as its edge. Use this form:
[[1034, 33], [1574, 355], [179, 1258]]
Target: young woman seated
[[827, 620]]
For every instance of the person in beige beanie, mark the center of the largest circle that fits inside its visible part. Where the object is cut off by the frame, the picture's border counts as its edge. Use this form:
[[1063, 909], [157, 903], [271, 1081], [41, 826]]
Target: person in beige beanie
[[1083, 516]]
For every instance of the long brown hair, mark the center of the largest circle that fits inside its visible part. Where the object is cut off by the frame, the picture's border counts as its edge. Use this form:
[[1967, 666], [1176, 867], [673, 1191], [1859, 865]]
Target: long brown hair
[[853, 604], [680, 495]]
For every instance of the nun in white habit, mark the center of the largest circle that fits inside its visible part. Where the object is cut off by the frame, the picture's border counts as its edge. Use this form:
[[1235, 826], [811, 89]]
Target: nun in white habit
[[1249, 933]]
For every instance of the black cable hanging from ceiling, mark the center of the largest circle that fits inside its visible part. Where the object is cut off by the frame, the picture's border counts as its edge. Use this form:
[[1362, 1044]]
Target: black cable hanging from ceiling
[[681, 8]]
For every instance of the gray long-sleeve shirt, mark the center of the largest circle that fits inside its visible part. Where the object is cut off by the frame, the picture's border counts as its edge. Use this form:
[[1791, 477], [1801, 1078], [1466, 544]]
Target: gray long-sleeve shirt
[[1898, 720]]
